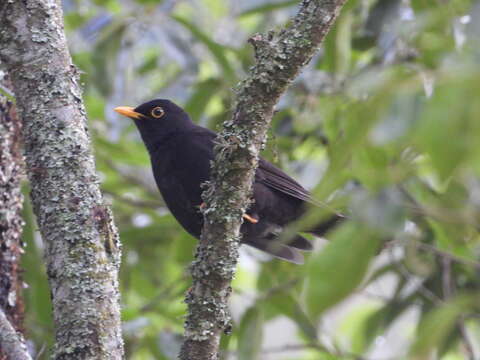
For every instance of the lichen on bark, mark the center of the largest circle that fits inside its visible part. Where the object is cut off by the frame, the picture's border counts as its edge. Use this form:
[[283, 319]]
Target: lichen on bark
[[82, 249], [279, 58], [12, 344], [11, 223]]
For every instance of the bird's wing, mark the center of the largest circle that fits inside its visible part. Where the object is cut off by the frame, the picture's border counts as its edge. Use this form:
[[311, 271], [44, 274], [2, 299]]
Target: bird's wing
[[276, 179], [273, 177]]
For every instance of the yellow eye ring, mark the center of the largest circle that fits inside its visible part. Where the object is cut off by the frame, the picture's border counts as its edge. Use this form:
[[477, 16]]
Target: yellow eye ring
[[157, 112]]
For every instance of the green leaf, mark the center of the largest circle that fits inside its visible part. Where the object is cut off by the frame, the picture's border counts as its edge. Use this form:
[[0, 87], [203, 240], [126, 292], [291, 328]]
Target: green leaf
[[438, 324], [338, 45], [328, 61], [338, 269], [39, 318], [74, 20], [201, 97], [104, 56], [420, 5], [224, 346], [284, 303], [377, 322], [444, 121], [95, 105], [280, 284], [150, 62], [217, 50], [250, 334]]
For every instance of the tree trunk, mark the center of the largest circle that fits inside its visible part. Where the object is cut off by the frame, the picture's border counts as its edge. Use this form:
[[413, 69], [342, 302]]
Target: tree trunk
[[82, 249], [279, 58], [11, 199], [12, 345]]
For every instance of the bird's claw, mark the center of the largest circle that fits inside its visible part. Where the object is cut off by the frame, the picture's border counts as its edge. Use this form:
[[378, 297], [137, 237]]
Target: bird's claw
[[250, 219]]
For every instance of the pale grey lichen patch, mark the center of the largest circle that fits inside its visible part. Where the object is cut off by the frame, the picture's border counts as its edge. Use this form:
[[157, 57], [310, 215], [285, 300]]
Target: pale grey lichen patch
[[279, 58], [11, 223], [81, 241], [12, 344]]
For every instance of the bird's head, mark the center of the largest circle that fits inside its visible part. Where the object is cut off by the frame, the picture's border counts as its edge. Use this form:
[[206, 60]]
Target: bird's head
[[157, 120]]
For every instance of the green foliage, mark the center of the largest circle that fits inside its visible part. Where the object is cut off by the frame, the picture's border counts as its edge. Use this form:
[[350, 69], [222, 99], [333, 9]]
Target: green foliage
[[383, 126], [250, 334], [218, 51], [340, 267], [438, 324]]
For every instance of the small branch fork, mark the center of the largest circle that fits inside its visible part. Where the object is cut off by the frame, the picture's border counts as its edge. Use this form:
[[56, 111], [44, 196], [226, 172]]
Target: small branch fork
[[279, 58]]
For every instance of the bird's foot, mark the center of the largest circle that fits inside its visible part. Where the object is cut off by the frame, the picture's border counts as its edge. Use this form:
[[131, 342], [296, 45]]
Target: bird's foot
[[245, 216], [250, 218]]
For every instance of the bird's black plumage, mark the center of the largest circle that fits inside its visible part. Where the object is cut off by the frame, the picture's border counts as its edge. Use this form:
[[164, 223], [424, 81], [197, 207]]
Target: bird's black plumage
[[181, 151]]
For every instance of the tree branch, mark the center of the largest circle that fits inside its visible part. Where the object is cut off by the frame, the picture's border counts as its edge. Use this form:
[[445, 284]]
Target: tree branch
[[81, 242], [279, 58], [11, 344], [11, 223]]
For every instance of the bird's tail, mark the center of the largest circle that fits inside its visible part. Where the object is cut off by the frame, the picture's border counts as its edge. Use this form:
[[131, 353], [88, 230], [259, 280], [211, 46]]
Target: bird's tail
[[278, 250], [291, 250], [325, 226]]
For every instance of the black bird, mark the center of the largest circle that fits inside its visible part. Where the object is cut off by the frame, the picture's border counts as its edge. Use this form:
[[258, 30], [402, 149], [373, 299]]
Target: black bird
[[180, 153]]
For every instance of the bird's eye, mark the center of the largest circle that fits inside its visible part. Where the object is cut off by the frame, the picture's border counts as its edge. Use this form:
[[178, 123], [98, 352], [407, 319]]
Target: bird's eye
[[157, 112]]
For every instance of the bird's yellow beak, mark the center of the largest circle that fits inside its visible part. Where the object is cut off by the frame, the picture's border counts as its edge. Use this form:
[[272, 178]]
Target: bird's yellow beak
[[128, 111]]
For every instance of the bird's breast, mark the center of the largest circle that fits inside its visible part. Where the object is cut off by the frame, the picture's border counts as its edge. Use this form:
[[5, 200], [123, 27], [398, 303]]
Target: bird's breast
[[183, 208]]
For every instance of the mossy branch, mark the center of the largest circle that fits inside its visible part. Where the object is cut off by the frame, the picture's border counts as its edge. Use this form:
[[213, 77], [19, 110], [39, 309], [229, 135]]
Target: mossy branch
[[279, 58], [82, 248], [11, 222]]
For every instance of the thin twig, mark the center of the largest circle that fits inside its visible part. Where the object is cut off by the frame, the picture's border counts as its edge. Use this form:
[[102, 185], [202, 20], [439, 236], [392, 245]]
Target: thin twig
[[469, 349], [447, 285], [437, 213], [440, 214], [41, 351], [447, 255], [437, 252], [427, 293], [448, 292], [292, 347]]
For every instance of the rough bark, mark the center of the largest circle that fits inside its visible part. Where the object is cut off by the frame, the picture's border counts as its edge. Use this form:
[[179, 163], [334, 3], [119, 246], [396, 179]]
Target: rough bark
[[82, 250], [11, 343], [11, 199], [279, 58]]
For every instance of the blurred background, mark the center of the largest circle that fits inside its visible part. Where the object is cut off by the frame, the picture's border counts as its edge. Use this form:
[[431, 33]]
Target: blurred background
[[383, 124]]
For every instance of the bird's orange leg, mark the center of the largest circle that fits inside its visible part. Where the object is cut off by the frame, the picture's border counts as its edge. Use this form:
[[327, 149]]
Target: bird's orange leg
[[250, 218], [246, 216]]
